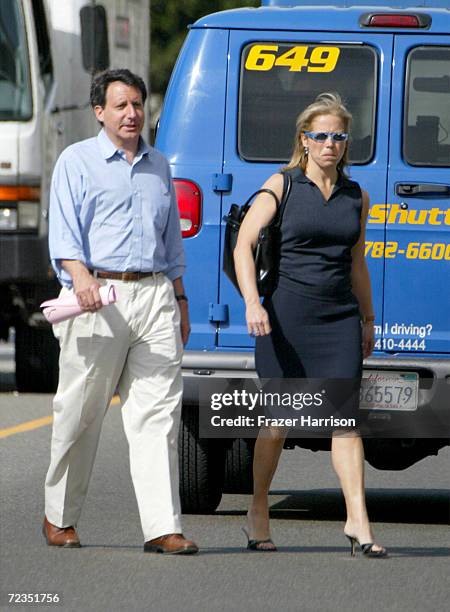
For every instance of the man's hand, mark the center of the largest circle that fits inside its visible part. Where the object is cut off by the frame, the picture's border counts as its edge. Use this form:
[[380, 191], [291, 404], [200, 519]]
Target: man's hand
[[87, 292], [85, 286], [185, 325]]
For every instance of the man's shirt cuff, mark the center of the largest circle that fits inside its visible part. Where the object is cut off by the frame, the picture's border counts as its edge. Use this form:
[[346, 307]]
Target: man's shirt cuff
[[175, 272]]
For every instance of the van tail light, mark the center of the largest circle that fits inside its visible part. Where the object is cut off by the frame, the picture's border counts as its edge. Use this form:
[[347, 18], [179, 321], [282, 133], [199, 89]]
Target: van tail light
[[189, 198], [395, 20]]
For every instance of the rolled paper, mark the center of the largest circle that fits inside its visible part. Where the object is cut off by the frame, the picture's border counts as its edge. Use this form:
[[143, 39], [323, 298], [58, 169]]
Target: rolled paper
[[66, 307]]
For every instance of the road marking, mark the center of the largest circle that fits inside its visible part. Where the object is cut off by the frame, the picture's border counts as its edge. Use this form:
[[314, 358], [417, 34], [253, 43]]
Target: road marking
[[36, 423], [27, 426]]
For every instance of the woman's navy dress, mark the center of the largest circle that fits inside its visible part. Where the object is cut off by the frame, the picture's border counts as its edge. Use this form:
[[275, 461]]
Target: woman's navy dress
[[315, 319]]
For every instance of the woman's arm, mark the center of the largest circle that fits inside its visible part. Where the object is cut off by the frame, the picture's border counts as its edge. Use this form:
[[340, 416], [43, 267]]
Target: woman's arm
[[261, 213], [361, 282]]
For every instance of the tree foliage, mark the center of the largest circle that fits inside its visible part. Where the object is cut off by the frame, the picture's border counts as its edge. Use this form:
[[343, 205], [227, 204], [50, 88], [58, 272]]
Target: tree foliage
[[169, 22]]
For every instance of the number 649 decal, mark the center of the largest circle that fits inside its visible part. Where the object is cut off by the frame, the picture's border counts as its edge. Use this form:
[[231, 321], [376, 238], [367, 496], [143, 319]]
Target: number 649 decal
[[265, 57]]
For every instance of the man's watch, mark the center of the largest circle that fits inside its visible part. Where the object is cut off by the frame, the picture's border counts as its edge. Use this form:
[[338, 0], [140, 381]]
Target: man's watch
[[181, 298]]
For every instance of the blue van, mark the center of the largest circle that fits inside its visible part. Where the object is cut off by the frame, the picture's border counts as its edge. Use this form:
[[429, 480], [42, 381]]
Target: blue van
[[228, 123]]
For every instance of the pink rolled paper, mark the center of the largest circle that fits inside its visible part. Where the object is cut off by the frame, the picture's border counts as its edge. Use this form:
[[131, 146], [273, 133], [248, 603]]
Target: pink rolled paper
[[66, 307]]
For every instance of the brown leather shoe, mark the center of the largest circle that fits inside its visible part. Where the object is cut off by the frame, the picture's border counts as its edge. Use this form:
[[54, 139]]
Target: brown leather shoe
[[172, 544], [60, 536]]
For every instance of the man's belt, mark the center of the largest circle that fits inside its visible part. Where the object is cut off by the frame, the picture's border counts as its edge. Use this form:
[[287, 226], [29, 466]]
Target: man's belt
[[123, 276]]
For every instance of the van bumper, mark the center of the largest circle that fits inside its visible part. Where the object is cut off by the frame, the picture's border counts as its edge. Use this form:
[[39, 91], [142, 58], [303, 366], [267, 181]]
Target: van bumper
[[434, 378]]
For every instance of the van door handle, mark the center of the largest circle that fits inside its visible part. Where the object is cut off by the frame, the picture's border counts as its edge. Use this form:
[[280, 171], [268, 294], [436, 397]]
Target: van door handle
[[421, 189]]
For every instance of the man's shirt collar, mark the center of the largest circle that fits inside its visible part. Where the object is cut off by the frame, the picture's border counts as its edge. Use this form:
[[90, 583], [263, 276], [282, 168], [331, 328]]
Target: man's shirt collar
[[108, 149]]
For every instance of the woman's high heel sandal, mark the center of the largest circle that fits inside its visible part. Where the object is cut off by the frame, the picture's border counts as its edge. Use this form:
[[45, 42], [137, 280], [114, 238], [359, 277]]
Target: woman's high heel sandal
[[256, 544], [367, 549]]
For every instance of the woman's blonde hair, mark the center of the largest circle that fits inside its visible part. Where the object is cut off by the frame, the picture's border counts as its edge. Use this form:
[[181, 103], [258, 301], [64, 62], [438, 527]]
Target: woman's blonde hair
[[324, 104]]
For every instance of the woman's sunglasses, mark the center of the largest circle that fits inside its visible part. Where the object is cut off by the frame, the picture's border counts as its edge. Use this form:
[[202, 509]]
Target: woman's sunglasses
[[323, 136]]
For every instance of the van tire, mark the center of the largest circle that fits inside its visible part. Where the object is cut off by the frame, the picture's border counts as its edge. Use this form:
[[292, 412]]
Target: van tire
[[202, 464], [37, 355], [239, 467]]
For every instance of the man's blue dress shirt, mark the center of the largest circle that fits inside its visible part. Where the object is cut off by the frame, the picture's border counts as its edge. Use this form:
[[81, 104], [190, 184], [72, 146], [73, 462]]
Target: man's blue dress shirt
[[112, 215]]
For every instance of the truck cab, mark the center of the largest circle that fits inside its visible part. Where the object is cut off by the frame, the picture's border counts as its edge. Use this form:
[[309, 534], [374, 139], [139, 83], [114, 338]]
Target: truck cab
[[49, 51]]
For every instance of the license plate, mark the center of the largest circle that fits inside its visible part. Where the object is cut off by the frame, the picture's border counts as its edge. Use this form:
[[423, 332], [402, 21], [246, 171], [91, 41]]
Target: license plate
[[389, 390]]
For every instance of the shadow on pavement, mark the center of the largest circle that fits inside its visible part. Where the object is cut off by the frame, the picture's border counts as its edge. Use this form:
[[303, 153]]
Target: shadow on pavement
[[393, 551], [430, 507]]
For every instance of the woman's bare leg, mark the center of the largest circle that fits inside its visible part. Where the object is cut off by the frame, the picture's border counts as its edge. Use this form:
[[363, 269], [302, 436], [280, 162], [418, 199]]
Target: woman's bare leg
[[347, 454], [268, 447]]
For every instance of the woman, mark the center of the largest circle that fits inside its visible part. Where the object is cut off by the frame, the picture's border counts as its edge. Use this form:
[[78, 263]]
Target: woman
[[319, 321]]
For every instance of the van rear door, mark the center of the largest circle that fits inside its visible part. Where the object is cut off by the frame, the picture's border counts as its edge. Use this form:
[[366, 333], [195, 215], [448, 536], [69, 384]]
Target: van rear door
[[191, 137], [272, 76], [417, 253]]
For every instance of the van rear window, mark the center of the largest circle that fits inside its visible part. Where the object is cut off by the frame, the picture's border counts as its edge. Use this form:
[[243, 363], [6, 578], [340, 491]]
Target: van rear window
[[427, 113], [278, 80]]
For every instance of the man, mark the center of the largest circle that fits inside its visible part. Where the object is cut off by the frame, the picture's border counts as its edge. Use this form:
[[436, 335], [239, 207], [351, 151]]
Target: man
[[114, 219]]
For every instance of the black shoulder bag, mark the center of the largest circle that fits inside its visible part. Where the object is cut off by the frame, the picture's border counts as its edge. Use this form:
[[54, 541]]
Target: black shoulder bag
[[266, 253]]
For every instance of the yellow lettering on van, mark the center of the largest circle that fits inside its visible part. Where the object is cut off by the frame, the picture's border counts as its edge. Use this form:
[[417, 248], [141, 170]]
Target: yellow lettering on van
[[377, 213], [397, 214], [417, 217], [434, 214], [393, 213], [265, 57]]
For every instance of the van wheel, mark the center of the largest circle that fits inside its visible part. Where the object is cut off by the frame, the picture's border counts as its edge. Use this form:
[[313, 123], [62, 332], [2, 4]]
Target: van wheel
[[37, 355], [239, 467], [202, 463]]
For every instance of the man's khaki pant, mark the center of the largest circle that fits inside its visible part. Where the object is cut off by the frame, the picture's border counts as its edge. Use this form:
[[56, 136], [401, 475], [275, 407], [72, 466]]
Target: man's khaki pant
[[133, 345]]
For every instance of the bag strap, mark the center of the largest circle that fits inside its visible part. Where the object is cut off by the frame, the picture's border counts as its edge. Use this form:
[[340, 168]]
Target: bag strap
[[246, 206], [287, 184]]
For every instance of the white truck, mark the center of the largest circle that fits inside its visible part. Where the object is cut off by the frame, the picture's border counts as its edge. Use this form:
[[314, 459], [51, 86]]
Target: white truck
[[49, 50]]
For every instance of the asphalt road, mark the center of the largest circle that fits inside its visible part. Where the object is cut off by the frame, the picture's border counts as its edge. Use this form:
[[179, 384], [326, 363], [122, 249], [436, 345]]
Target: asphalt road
[[312, 570]]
